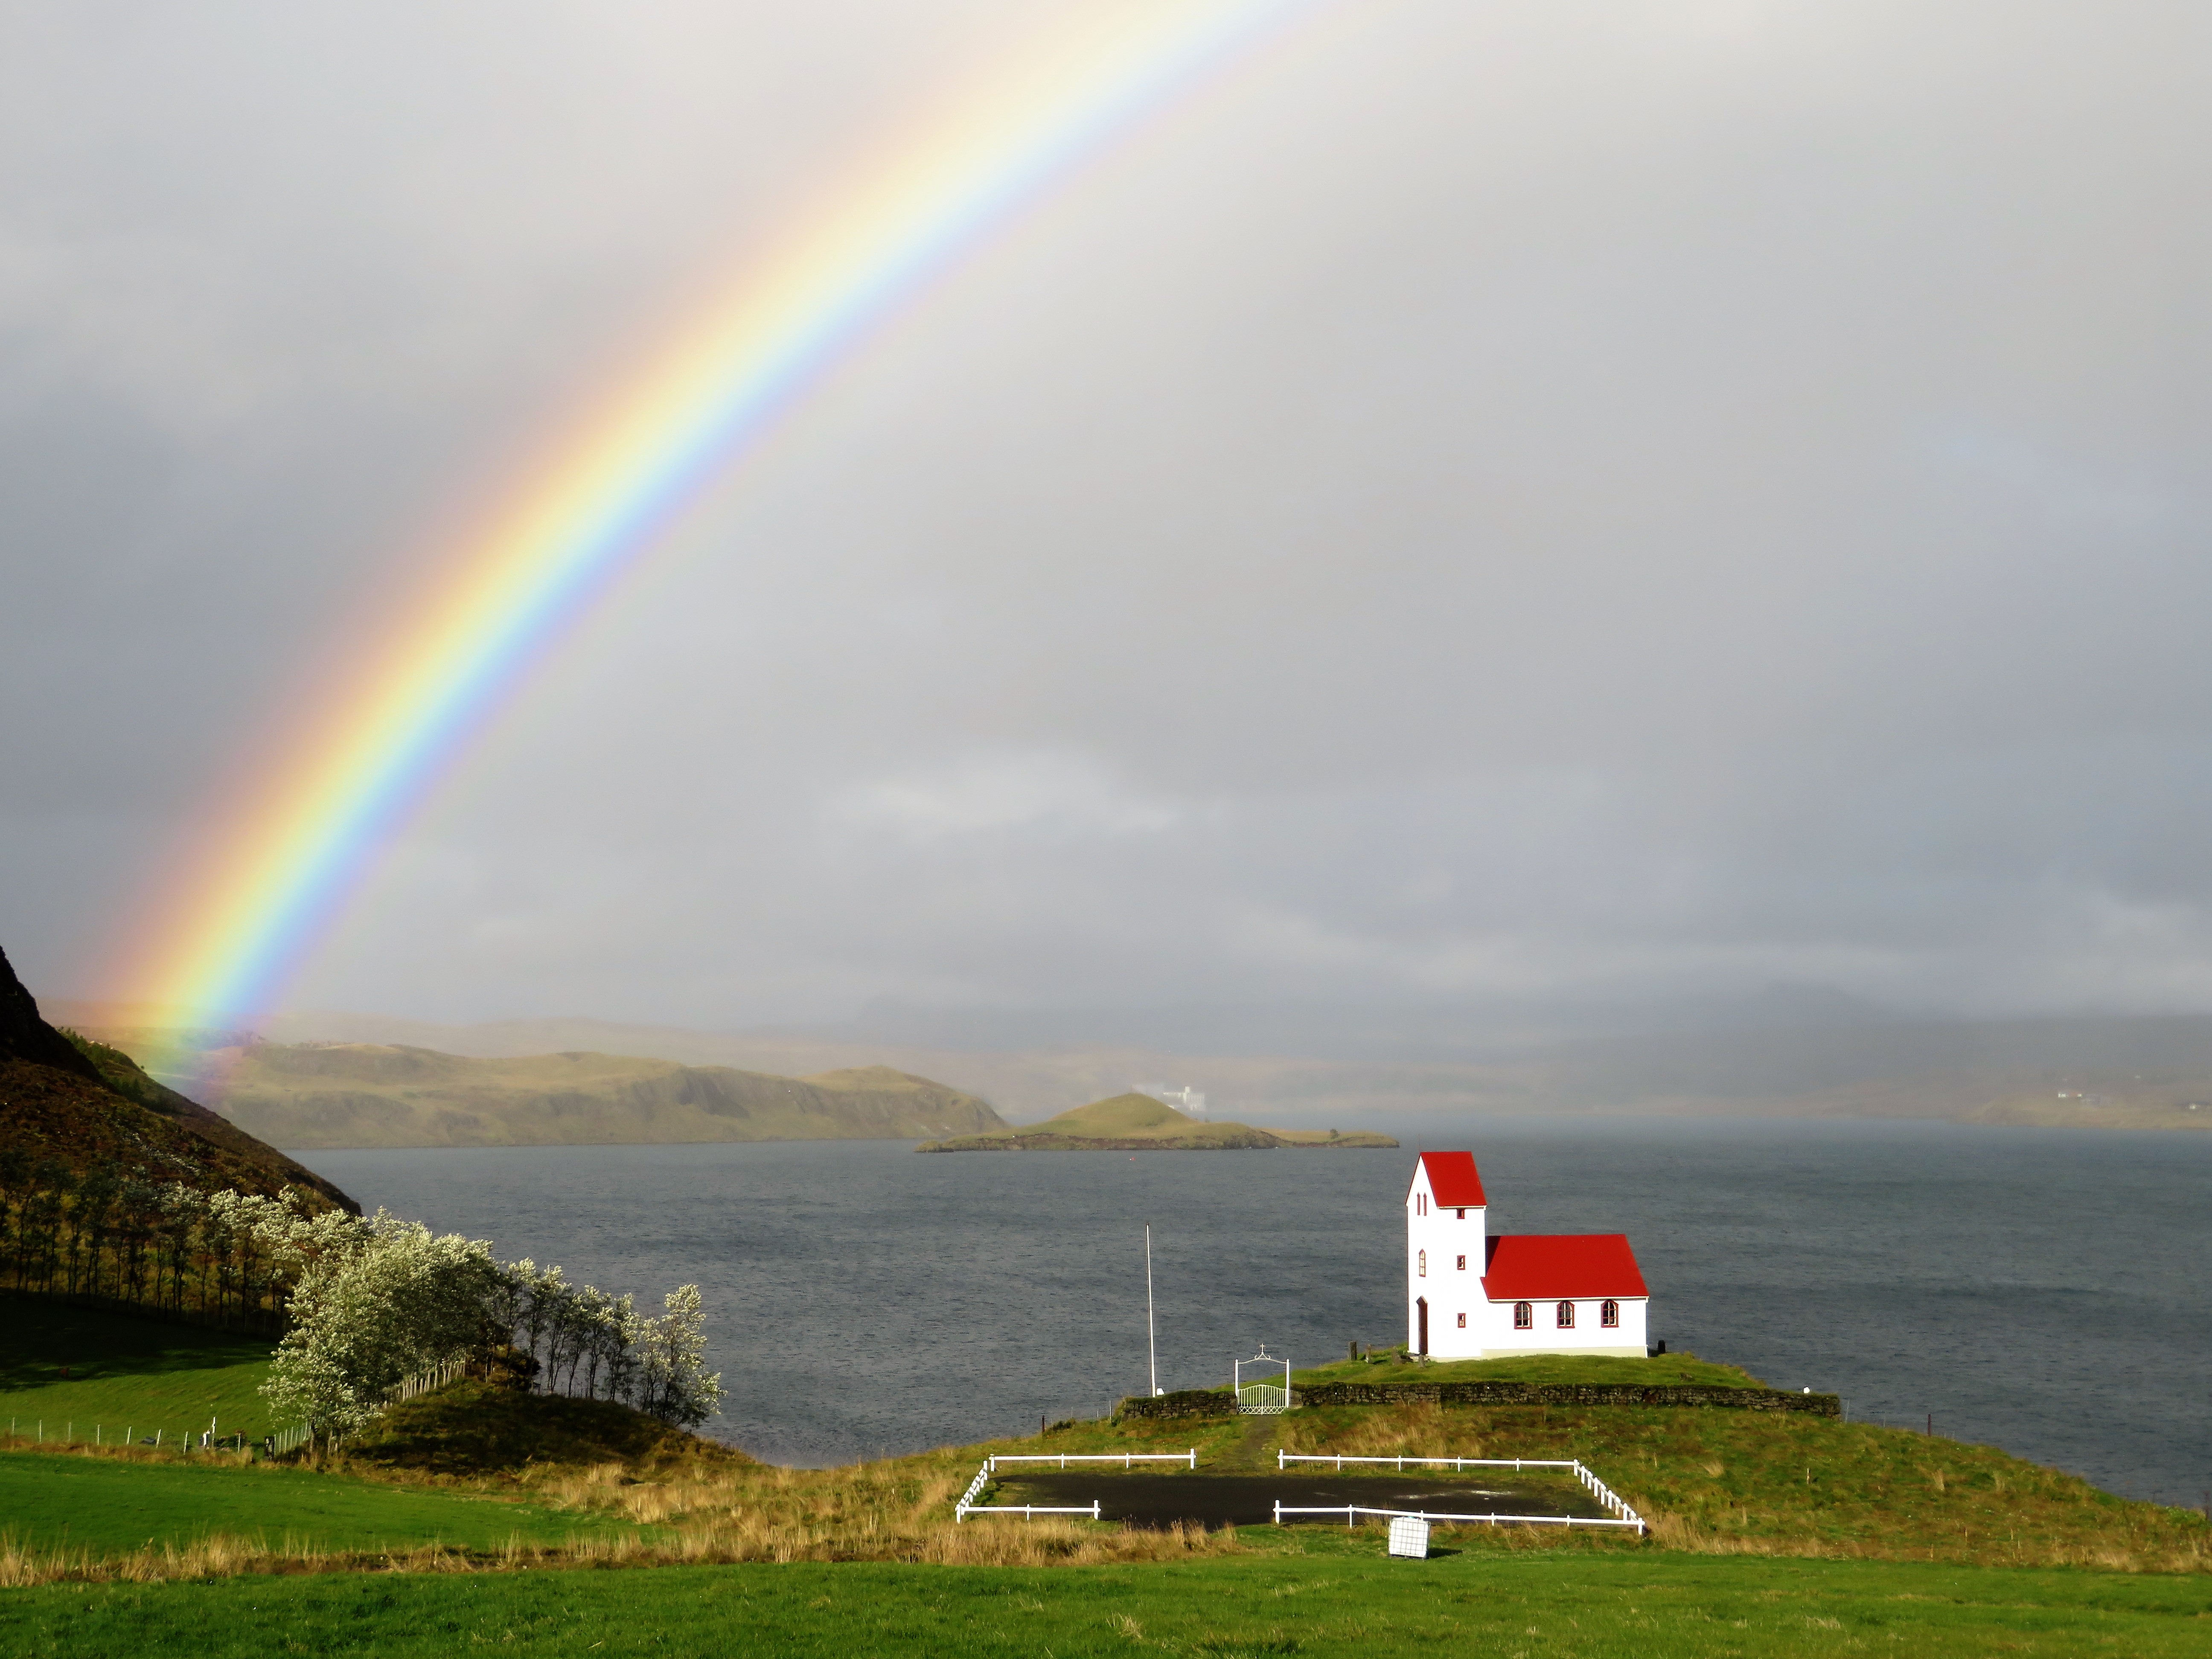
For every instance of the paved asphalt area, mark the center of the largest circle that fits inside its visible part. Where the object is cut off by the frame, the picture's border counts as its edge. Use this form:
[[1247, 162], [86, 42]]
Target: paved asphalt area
[[1220, 1500]]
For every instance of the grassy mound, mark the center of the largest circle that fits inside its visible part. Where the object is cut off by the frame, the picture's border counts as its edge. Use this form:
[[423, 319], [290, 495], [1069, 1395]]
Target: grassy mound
[[124, 1373], [1668, 1371], [1136, 1122], [473, 1428], [1760, 1483]]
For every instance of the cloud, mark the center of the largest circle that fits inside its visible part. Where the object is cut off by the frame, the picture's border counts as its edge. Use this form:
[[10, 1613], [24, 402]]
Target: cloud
[[1575, 502], [1044, 793]]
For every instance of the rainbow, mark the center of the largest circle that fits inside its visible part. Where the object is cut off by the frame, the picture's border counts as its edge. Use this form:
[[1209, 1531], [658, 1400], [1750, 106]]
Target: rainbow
[[247, 910]]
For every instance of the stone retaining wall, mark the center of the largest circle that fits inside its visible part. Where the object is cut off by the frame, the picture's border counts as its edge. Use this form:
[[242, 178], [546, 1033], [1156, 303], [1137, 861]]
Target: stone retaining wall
[[1217, 1402], [1183, 1402]]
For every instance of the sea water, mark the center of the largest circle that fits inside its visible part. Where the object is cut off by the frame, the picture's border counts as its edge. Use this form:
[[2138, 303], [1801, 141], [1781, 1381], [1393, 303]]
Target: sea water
[[2044, 1291]]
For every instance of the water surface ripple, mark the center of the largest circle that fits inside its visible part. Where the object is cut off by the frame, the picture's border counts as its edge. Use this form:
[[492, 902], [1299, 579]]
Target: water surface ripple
[[2040, 1289]]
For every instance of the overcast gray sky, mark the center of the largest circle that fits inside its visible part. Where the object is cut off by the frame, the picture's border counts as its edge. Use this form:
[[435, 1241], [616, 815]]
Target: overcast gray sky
[[1494, 501]]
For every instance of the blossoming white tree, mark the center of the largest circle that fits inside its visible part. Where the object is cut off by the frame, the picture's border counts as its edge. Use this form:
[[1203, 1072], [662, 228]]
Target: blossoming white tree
[[674, 1385], [372, 1302], [391, 1301]]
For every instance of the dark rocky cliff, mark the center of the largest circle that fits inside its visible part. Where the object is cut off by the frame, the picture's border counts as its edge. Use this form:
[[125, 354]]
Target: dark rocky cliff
[[89, 1105]]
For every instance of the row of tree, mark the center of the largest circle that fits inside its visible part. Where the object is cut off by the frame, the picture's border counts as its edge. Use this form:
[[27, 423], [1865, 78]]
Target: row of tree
[[364, 1304], [117, 1235], [374, 1302]]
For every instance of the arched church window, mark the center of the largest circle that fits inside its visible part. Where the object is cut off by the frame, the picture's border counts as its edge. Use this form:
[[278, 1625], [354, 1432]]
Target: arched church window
[[1462, 1264], [1421, 1264], [1524, 1316], [1462, 1322], [1608, 1314], [1566, 1315]]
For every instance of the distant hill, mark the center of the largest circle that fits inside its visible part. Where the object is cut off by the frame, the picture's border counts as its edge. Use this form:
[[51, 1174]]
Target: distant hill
[[2107, 1071], [81, 1103], [364, 1094], [1135, 1122]]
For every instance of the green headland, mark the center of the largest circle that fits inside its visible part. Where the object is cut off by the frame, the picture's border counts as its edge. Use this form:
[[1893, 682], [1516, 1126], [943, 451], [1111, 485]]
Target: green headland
[[1138, 1123], [482, 1515]]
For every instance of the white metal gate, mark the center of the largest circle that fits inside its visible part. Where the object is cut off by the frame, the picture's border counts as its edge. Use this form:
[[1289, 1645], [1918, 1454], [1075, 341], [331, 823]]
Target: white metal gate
[[1262, 1399]]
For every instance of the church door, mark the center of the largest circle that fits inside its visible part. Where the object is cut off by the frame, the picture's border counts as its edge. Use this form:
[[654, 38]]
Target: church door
[[1421, 1306]]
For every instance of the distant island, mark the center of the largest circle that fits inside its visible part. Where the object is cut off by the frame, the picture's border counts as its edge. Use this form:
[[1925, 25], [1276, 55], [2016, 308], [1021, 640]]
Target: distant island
[[1138, 1123]]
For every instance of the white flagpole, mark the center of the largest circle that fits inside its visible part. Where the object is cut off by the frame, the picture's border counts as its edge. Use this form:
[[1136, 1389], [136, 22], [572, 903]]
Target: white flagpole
[[1152, 1338]]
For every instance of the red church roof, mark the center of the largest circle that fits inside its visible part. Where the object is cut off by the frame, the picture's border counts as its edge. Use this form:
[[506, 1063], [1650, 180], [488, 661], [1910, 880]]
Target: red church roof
[[1541, 1265], [1452, 1180]]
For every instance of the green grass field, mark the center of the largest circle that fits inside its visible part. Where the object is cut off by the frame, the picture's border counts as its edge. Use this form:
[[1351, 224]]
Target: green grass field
[[1668, 1371], [1583, 1608], [107, 1506], [124, 1374], [1924, 1546]]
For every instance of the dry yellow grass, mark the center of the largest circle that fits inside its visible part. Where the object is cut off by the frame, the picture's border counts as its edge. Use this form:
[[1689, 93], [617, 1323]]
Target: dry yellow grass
[[701, 1539], [897, 1511], [708, 1512]]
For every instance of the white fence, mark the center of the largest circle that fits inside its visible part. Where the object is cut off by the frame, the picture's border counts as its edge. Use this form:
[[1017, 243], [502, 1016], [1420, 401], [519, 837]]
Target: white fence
[[284, 1440], [422, 1381], [1597, 1488], [1127, 1459], [190, 1440], [968, 1505], [1622, 1515], [291, 1439], [1284, 1460], [1352, 1512]]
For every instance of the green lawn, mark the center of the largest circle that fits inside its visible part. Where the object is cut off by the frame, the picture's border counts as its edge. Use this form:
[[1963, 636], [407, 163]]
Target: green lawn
[[1668, 1371], [110, 1506], [1591, 1608], [124, 1373]]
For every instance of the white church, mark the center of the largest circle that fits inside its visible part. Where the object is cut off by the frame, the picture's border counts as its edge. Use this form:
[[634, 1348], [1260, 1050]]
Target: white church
[[1469, 1296]]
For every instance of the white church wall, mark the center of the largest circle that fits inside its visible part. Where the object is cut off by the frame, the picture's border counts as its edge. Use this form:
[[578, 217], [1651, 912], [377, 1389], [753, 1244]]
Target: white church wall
[[1443, 1264], [1588, 1334], [1446, 1255]]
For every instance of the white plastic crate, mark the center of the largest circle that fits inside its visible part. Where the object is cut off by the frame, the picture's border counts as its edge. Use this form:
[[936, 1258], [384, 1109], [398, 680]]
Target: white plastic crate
[[1409, 1535]]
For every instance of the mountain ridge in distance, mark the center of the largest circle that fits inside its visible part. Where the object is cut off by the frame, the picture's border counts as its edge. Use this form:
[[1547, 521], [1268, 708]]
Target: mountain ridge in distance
[[2112, 1071], [324, 1095]]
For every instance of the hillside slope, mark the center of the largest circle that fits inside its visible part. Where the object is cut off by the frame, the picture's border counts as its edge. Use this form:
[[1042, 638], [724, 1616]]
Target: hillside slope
[[359, 1094], [1135, 1122], [86, 1105]]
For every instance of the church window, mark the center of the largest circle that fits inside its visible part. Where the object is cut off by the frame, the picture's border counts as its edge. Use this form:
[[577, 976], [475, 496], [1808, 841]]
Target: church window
[[1566, 1315], [1462, 1322], [1421, 1264], [1524, 1316], [1462, 1264], [1420, 1204], [1461, 1213], [1608, 1314]]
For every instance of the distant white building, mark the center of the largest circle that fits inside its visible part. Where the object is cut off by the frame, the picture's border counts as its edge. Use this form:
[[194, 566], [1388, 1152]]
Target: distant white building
[[1469, 1296], [1185, 1099]]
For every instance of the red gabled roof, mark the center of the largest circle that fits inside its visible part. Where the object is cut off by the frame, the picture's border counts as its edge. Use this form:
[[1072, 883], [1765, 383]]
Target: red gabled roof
[[1566, 1264], [1452, 1180]]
